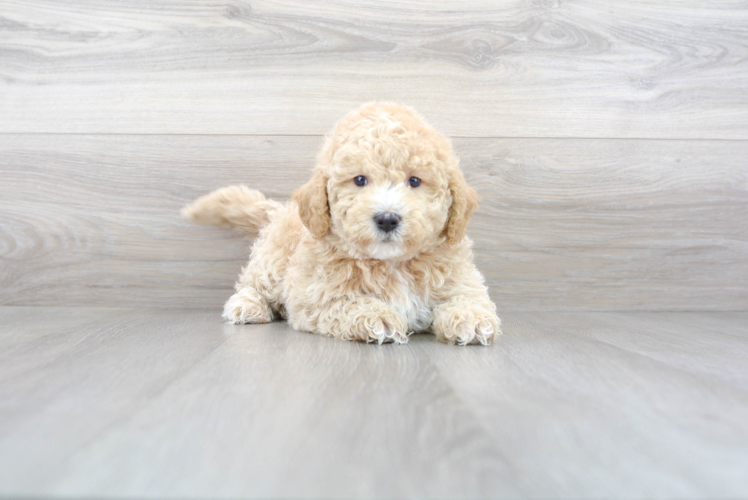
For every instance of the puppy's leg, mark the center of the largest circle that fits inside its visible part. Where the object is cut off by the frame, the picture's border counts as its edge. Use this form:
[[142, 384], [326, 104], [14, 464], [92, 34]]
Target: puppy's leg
[[466, 320], [258, 292], [247, 306], [365, 319]]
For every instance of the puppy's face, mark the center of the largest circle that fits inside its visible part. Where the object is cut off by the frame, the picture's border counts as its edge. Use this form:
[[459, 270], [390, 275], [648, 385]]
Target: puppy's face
[[390, 198], [392, 186]]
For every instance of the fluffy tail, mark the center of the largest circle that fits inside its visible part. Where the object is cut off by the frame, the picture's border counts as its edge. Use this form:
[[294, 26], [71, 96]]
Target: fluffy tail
[[237, 207]]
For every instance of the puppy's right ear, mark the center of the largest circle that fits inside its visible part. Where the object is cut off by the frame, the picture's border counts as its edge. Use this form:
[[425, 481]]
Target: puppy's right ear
[[464, 201], [313, 208]]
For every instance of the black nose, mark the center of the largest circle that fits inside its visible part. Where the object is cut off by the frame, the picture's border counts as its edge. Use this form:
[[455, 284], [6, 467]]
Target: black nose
[[387, 222]]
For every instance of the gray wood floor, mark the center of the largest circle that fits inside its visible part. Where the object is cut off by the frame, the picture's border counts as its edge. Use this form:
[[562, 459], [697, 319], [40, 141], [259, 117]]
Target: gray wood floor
[[100, 402]]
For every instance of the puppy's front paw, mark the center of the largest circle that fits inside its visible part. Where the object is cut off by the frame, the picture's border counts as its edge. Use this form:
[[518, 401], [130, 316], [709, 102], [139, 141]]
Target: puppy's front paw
[[247, 306], [384, 333], [381, 327], [467, 326]]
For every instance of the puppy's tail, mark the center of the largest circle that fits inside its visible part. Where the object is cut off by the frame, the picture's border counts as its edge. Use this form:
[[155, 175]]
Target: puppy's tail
[[237, 207]]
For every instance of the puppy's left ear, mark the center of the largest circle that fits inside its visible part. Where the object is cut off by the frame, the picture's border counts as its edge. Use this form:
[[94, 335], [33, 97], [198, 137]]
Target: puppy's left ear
[[464, 201], [313, 207]]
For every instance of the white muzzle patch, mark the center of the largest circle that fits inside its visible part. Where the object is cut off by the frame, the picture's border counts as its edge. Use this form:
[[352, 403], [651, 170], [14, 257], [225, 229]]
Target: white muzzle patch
[[388, 199]]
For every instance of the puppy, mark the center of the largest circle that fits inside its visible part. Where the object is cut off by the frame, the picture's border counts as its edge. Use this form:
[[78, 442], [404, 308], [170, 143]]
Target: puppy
[[372, 248]]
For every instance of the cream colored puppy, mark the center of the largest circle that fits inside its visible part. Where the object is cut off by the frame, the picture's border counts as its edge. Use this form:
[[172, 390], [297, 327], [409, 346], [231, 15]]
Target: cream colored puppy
[[372, 248]]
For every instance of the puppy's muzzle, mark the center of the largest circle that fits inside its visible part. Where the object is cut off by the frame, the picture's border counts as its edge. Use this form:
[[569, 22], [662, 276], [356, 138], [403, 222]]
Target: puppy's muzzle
[[387, 222]]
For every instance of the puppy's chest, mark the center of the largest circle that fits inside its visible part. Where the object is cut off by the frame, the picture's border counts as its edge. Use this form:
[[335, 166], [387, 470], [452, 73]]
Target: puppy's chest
[[406, 296]]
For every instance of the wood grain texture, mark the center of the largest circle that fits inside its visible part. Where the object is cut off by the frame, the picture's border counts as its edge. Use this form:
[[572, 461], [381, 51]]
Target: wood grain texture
[[541, 68], [564, 224], [143, 403]]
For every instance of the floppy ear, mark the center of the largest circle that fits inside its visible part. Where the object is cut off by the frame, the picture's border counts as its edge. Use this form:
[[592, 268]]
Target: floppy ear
[[313, 208], [464, 201]]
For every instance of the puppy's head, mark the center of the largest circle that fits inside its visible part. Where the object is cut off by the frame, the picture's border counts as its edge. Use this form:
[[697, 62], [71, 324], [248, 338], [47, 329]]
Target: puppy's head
[[387, 186]]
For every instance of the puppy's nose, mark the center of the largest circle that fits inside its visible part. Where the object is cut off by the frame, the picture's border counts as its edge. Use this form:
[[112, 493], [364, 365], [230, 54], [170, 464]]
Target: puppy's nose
[[387, 222]]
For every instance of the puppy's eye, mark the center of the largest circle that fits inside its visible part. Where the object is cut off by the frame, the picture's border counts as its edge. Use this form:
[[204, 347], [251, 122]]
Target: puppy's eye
[[360, 181], [414, 182]]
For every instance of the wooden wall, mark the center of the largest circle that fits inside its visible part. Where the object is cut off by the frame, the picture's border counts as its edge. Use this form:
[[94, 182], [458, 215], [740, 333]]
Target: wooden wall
[[609, 140]]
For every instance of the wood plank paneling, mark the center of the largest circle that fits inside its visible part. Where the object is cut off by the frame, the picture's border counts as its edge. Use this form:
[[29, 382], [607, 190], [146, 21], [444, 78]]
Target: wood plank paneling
[[564, 224], [176, 404], [545, 68]]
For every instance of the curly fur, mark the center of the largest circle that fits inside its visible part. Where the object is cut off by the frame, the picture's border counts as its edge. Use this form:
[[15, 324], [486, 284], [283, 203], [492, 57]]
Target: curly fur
[[321, 262]]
